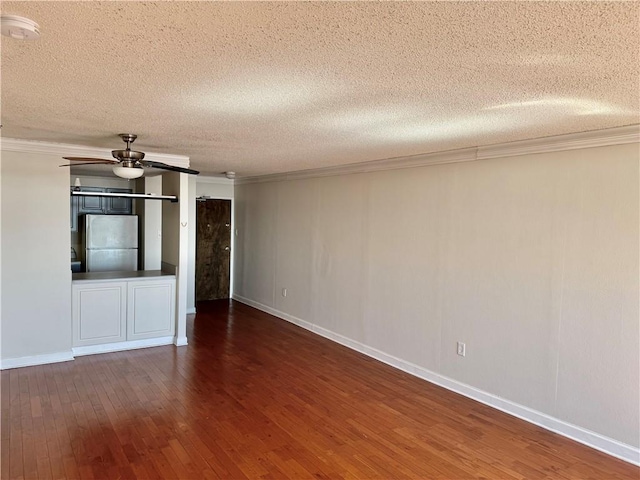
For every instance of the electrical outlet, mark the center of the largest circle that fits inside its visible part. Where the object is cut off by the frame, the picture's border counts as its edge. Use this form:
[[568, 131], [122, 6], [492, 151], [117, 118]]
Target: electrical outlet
[[462, 349], [284, 292]]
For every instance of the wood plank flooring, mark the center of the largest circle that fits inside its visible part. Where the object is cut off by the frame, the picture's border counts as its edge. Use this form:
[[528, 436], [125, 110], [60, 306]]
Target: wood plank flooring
[[255, 397]]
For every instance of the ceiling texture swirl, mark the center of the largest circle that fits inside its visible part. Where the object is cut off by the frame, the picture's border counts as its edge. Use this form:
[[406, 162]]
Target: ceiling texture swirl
[[269, 87]]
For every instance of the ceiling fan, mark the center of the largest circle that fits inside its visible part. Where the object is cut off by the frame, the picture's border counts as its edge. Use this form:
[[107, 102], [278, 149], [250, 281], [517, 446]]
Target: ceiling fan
[[128, 163]]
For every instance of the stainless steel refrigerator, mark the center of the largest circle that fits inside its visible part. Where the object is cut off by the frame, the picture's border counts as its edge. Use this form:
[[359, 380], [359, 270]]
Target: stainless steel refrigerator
[[111, 243]]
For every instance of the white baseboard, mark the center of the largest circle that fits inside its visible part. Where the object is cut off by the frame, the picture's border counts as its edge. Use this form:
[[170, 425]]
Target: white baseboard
[[180, 341], [120, 346], [89, 350], [605, 444], [32, 360]]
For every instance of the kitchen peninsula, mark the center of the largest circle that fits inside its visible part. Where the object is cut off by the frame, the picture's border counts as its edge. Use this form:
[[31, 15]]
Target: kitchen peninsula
[[114, 311]]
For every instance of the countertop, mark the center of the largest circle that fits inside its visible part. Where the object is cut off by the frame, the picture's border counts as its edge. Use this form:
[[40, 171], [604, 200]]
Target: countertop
[[102, 276]]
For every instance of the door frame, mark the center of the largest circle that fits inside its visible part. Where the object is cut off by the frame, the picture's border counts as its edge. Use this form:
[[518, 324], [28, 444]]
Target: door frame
[[233, 240]]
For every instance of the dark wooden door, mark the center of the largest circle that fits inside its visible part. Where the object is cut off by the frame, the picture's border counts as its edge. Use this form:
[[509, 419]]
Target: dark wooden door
[[213, 249]]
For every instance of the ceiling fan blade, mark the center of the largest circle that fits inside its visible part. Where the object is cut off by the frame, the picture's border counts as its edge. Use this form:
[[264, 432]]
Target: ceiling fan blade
[[164, 166], [86, 163], [90, 160]]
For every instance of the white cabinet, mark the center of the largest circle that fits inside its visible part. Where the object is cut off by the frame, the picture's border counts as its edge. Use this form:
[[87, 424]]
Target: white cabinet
[[99, 313], [128, 312], [150, 308]]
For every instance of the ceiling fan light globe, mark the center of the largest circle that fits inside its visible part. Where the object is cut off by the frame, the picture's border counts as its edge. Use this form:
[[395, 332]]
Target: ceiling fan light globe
[[128, 172]]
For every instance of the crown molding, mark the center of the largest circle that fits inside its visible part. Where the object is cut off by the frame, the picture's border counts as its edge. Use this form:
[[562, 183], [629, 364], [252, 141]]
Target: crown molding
[[596, 138], [69, 150], [214, 180], [558, 143], [395, 163]]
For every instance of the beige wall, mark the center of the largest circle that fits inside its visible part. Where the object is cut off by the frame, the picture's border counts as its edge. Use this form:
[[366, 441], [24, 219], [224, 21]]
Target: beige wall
[[36, 274], [170, 219], [532, 261]]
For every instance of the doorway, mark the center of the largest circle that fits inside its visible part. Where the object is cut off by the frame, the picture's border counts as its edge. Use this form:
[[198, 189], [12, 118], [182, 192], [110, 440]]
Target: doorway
[[213, 249]]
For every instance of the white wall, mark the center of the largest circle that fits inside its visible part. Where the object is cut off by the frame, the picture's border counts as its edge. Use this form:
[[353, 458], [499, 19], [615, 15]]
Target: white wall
[[191, 260], [175, 243], [214, 187], [0, 255], [36, 275], [152, 224], [105, 182], [532, 261], [211, 187]]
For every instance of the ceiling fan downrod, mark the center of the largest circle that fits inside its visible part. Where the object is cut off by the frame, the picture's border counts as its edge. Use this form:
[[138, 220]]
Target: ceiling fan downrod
[[128, 138]]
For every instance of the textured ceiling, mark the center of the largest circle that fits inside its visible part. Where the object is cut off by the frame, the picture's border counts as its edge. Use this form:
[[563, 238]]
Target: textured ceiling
[[281, 86]]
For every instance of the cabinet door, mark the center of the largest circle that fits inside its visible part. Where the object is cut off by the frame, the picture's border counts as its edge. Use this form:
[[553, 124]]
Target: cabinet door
[[99, 313], [118, 206], [151, 308], [91, 204]]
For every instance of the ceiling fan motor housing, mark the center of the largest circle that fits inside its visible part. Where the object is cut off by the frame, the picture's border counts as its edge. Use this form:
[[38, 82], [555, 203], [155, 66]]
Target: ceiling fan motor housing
[[130, 155]]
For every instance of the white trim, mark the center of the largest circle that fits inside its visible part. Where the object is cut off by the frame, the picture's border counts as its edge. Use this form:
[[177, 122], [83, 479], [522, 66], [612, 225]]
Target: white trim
[[557, 143], [595, 440], [32, 360], [191, 311], [420, 160], [180, 341], [69, 150], [215, 180], [232, 263], [120, 346], [214, 197]]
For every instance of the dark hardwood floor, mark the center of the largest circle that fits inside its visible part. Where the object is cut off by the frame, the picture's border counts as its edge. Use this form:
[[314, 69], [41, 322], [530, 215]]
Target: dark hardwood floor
[[253, 396]]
